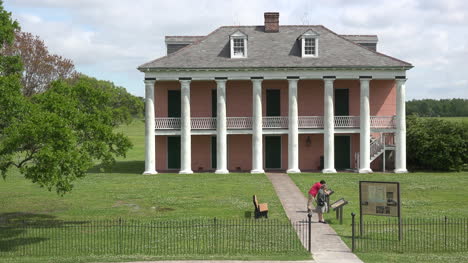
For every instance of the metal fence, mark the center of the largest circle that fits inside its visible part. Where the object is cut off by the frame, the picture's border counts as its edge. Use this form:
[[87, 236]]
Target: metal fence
[[417, 235], [165, 238]]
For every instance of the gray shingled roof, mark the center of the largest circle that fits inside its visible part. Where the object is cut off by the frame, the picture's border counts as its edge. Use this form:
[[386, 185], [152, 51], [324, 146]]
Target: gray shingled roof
[[269, 50]]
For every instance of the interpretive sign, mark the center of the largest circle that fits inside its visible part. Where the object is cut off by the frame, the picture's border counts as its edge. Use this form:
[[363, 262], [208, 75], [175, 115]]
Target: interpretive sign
[[379, 198], [338, 204]]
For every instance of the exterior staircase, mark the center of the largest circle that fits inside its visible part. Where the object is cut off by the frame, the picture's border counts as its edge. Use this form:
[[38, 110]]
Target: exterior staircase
[[377, 147]]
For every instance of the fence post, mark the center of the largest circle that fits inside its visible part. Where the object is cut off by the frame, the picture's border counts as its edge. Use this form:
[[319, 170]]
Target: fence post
[[120, 236], [445, 233], [353, 246], [215, 243], [309, 215]]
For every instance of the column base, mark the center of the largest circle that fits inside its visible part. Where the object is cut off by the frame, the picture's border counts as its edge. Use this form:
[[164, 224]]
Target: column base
[[186, 172], [293, 171], [401, 171], [257, 171], [329, 171], [222, 171], [150, 172], [365, 171]]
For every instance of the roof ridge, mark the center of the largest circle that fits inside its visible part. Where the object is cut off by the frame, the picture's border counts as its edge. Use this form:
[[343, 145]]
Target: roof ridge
[[357, 35], [173, 53], [356, 44], [184, 36]]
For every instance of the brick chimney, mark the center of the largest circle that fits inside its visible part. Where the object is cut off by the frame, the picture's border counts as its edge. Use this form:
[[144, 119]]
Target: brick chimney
[[271, 22]]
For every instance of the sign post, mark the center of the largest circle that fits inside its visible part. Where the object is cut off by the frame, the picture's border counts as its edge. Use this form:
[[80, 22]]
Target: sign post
[[379, 199]]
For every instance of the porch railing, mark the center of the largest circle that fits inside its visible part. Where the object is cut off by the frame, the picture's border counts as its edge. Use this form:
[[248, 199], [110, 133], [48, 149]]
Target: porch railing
[[277, 122], [167, 123], [203, 123], [346, 121], [239, 122], [310, 122], [383, 122]]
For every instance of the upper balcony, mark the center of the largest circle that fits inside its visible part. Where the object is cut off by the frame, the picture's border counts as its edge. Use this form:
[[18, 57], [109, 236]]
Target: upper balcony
[[277, 122]]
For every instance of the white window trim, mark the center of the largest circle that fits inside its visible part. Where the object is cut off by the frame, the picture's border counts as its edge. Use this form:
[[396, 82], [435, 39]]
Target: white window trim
[[232, 47], [304, 55]]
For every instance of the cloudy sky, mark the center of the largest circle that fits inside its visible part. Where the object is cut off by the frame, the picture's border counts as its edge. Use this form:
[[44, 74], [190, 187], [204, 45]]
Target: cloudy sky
[[109, 39]]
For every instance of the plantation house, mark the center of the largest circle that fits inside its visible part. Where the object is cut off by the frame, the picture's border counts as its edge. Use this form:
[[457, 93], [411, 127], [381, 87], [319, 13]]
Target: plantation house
[[295, 98]]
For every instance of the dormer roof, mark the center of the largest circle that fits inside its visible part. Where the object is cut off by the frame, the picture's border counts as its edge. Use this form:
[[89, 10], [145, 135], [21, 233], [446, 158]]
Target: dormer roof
[[308, 33]]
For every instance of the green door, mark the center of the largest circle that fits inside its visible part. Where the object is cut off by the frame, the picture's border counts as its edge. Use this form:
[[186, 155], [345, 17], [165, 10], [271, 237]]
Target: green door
[[213, 152], [341, 102], [272, 152], [342, 152], [173, 152], [273, 105], [173, 103]]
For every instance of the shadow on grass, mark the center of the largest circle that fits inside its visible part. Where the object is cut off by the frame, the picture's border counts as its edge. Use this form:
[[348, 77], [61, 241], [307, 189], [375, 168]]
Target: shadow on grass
[[21, 229], [120, 167]]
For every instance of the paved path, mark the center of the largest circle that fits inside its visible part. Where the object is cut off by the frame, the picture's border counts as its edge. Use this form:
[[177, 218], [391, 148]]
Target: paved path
[[327, 246], [221, 261]]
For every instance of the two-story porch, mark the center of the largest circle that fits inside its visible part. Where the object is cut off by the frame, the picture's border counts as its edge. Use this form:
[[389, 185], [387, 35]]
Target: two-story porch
[[281, 123]]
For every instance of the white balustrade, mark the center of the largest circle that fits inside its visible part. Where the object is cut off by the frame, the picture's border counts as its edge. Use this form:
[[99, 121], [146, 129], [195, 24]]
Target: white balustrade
[[203, 123], [347, 121], [311, 122], [383, 122], [275, 122], [167, 123], [239, 122]]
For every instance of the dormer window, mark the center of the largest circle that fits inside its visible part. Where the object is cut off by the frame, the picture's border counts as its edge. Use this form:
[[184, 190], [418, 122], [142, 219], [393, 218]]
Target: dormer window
[[238, 43], [309, 44]]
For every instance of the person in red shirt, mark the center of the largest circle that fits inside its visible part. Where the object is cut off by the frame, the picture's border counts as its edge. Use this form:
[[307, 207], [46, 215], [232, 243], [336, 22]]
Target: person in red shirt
[[313, 193]]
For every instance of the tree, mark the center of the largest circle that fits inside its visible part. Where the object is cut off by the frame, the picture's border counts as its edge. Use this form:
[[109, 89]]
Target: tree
[[126, 105], [434, 144], [55, 136], [60, 134], [40, 67]]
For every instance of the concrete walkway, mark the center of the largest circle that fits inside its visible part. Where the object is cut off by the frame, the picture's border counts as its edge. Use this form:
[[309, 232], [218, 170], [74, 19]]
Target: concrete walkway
[[327, 246], [221, 261]]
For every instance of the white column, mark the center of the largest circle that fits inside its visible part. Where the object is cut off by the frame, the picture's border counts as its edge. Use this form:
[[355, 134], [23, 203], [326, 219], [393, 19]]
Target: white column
[[150, 145], [185, 132], [400, 138], [329, 128], [257, 143], [365, 128], [293, 128], [221, 128]]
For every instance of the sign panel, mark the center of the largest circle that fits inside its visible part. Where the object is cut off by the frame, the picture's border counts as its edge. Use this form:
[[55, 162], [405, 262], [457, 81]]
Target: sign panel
[[338, 204], [379, 198]]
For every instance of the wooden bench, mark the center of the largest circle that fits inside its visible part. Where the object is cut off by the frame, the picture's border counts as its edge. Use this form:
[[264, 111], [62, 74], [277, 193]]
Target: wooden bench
[[260, 209]]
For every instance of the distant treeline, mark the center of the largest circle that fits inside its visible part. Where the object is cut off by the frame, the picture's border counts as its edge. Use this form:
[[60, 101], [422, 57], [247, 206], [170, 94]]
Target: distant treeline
[[438, 108]]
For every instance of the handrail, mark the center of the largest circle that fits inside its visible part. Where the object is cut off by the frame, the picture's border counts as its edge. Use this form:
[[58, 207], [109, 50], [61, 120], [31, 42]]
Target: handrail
[[276, 122]]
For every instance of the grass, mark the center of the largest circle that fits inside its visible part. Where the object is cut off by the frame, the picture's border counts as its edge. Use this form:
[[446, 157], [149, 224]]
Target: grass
[[424, 195], [125, 193]]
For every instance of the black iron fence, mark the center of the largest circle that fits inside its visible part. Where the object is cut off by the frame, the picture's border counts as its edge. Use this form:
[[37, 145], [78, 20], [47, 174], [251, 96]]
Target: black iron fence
[[166, 238], [411, 235]]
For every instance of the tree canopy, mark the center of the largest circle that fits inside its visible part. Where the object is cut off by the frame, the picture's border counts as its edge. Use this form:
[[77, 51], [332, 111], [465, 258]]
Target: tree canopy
[[438, 108], [56, 135], [40, 67]]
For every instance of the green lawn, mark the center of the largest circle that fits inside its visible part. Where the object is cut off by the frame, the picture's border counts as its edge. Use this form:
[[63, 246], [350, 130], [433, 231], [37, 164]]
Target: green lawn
[[424, 195], [126, 193]]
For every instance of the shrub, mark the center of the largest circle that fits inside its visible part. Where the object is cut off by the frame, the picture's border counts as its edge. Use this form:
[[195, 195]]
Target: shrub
[[436, 144]]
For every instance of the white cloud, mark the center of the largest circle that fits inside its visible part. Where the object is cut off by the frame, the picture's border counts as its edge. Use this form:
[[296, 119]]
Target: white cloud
[[111, 38]]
